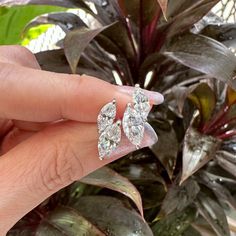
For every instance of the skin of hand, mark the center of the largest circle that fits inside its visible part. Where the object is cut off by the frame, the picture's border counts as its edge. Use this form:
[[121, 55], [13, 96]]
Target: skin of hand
[[48, 130]]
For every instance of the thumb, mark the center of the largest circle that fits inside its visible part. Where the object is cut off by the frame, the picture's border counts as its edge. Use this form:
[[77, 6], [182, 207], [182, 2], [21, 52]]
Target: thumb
[[48, 161]]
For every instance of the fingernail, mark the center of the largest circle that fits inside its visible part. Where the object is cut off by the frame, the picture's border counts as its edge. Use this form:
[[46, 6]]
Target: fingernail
[[155, 98], [125, 147]]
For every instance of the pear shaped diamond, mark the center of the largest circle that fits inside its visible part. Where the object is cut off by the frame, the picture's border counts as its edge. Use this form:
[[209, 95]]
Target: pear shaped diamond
[[109, 140], [133, 125], [106, 116], [141, 102]]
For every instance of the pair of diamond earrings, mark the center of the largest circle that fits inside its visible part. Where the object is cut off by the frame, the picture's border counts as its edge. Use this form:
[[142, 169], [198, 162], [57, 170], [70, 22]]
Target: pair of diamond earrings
[[133, 122]]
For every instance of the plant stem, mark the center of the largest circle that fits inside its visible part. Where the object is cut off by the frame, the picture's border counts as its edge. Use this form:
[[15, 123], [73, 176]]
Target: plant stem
[[227, 134]]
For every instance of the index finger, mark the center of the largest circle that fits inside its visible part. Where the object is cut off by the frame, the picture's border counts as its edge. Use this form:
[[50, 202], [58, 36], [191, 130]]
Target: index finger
[[35, 95]]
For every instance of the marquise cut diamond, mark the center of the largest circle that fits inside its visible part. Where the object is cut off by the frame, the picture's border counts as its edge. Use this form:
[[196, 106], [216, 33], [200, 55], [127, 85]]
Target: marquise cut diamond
[[141, 102], [106, 116], [133, 125], [109, 140]]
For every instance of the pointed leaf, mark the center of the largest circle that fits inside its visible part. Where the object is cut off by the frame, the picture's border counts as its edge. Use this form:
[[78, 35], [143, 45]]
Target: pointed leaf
[[163, 4], [179, 197], [222, 193], [174, 224], [65, 3], [205, 55], [205, 100], [108, 178], [197, 151], [66, 221], [75, 43], [210, 209], [111, 216], [66, 20], [227, 161], [166, 149], [185, 14]]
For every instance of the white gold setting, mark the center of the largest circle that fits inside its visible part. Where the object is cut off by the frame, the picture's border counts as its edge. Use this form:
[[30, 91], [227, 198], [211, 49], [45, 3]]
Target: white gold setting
[[109, 132], [135, 117]]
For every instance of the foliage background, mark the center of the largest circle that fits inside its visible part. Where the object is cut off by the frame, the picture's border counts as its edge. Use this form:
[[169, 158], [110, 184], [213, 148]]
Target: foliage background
[[193, 67]]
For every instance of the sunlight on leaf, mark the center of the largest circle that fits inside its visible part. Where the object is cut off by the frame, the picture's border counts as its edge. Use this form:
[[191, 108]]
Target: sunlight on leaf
[[197, 151], [205, 100], [66, 221], [108, 178], [205, 55], [112, 216]]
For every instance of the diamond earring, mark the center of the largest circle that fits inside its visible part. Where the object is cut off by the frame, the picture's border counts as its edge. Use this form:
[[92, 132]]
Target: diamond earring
[[135, 117], [109, 132]]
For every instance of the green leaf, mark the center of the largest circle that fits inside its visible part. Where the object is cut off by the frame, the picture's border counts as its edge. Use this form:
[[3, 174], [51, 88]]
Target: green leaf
[[205, 55], [15, 19], [213, 213], [112, 217], [227, 161], [108, 178], [191, 231], [231, 96], [174, 224], [179, 197], [81, 38], [66, 221], [64, 3], [166, 149], [205, 100], [67, 21], [197, 151]]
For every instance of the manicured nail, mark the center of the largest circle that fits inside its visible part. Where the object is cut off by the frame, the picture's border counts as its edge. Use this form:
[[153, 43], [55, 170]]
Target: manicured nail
[[155, 98], [125, 147]]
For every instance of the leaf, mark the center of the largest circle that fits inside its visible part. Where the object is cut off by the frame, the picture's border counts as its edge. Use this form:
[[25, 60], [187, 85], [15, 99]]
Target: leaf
[[184, 14], [174, 224], [223, 32], [166, 149], [205, 55], [108, 178], [112, 217], [222, 193], [205, 100], [163, 4], [227, 161], [231, 96], [14, 20], [66, 20], [64, 3], [213, 213], [140, 12], [66, 221], [81, 38], [179, 197], [191, 231], [197, 151]]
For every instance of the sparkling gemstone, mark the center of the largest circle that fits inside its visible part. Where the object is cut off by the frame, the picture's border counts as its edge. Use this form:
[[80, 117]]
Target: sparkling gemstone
[[106, 116], [109, 140], [141, 102], [133, 125]]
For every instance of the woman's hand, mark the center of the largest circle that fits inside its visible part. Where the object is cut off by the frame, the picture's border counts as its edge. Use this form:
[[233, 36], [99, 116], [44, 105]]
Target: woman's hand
[[48, 130]]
